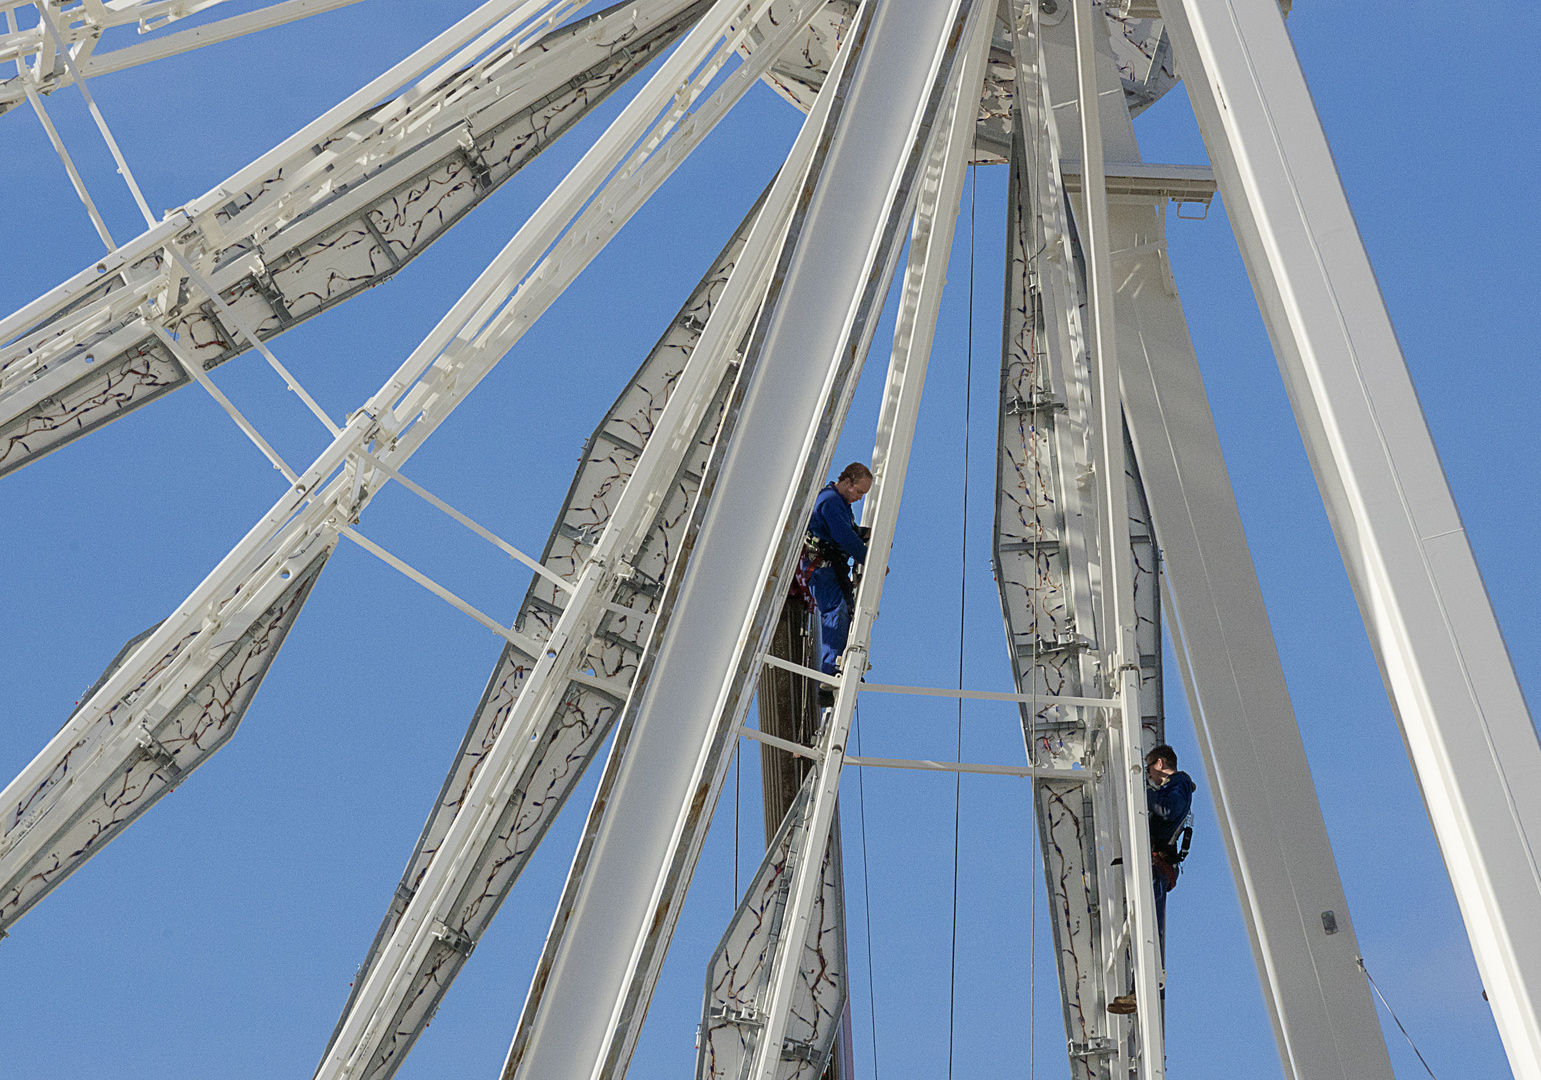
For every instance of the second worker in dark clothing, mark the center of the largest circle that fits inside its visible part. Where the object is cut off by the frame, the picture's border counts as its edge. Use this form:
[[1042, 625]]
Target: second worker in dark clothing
[[834, 543], [1169, 798]]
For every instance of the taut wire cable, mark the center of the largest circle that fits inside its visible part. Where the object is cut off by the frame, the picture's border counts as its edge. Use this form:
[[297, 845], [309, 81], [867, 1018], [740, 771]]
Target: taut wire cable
[[1389, 1009], [957, 791]]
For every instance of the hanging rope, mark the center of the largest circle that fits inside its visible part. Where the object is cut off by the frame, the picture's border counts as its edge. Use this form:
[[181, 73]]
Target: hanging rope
[[1400, 1028], [957, 791], [866, 890]]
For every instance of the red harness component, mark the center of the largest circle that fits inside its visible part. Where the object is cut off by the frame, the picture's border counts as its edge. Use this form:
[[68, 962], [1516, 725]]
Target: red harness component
[[802, 578]]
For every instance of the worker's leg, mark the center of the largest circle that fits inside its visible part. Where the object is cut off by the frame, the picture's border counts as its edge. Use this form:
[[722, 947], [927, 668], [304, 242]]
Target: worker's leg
[[834, 617], [1160, 887]]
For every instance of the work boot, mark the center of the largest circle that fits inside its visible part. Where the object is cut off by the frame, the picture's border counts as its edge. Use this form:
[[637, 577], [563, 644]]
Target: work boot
[[826, 697], [1123, 1005]]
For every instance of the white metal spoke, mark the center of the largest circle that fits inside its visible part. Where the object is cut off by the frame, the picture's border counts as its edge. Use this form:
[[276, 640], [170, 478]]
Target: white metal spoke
[[486, 534], [519, 641], [80, 33], [569, 736], [381, 991], [395, 421], [388, 182], [96, 114], [1468, 731], [920, 300], [1123, 654], [195, 369], [623, 894], [23, 76]]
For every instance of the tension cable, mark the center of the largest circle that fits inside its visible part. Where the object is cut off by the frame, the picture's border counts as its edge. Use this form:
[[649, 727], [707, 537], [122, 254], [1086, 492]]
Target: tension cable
[[957, 791], [1390, 1010]]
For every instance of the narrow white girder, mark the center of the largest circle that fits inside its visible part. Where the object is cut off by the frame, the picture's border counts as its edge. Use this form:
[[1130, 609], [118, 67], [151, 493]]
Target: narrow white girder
[[833, 273], [1468, 732]]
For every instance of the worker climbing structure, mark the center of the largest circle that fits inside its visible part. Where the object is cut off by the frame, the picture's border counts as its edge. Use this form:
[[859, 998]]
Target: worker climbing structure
[[663, 601]]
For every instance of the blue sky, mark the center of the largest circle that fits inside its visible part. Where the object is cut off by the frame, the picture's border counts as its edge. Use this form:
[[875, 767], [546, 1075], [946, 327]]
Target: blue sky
[[219, 934]]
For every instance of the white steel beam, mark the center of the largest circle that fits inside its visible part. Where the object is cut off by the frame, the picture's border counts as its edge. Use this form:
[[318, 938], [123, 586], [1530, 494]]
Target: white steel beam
[[568, 230], [566, 730], [300, 231], [171, 45], [408, 958], [1286, 877], [1048, 560], [1125, 742], [1464, 720], [772, 1053], [592, 986]]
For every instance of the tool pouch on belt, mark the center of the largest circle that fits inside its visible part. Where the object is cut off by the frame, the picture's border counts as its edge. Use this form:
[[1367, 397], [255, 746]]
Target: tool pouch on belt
[[1164, 868]]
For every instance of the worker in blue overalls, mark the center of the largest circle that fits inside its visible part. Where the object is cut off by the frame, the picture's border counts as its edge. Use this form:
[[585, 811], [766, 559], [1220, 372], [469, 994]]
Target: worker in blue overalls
[[834, 541]]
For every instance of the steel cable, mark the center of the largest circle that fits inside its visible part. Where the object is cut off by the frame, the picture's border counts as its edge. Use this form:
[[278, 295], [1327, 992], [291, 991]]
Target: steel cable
[[1390, 1010], [957, 795]]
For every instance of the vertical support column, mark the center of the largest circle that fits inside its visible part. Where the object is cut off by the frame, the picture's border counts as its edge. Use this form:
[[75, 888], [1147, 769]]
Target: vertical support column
[[930, 249], [607, 942], [1123, 674], [1465, 723], [1286, 878]]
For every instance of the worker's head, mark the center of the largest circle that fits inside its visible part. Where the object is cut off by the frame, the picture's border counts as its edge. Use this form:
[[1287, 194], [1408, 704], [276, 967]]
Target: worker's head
[[1160, 763], [854, 482]]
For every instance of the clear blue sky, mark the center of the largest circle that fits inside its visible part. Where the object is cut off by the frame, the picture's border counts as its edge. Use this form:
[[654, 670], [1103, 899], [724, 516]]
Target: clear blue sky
[[219, 934]]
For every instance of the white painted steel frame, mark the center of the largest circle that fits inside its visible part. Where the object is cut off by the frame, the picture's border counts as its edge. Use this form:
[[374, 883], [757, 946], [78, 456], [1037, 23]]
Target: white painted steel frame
[[1286, 876], [303, 229], [1468, 732], [468, 341], [569, 737], [367, 1023], [634, 861], [940, 191], [1125, 743], [1048, 561], [85, 24]]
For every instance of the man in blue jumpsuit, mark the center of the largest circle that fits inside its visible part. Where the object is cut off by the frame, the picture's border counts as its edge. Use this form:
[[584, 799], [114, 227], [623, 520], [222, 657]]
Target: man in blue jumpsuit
[[833, 542], [1169, 798]]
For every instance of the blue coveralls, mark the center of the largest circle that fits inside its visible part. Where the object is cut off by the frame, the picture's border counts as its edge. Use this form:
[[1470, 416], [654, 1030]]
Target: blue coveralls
[[1169, 805], [834, 524]]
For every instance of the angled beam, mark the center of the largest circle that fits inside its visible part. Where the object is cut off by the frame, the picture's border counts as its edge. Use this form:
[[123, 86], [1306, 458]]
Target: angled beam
[[1046, 557], [957, 70], [650, 137], [595, 978], [187, 40], [1286, 877], [24, 80], [568, 737], [1469, 734], [300, 231], [1126, 745], [733, 1014]]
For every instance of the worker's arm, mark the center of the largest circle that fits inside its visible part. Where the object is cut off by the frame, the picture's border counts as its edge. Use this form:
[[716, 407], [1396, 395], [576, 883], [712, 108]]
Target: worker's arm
[[1171, 802]]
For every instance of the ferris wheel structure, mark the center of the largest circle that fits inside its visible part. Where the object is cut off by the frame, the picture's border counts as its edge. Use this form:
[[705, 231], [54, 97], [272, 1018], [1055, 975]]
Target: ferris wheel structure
[[664, 603]]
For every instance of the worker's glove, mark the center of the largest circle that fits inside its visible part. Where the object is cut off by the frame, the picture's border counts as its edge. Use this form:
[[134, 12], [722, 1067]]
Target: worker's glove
[[865, 532]]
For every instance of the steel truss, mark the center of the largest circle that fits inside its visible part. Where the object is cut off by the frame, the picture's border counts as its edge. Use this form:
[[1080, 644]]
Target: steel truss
[[655, 601]]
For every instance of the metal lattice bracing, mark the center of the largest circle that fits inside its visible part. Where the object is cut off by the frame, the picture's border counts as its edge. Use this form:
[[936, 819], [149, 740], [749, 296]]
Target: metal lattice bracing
[[305, 229]]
